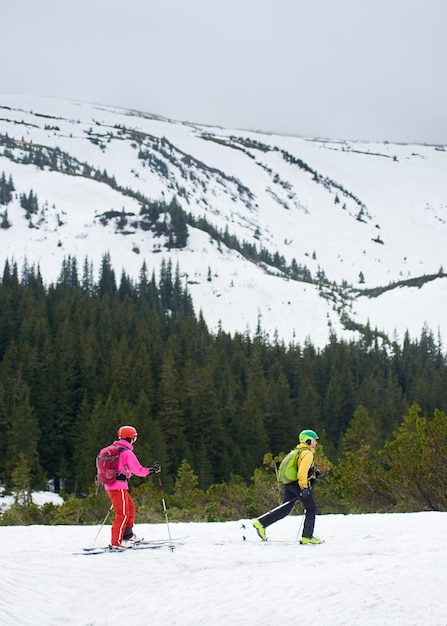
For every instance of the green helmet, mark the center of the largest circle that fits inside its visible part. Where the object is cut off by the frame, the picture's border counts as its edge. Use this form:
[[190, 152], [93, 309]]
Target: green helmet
[[305, 435]]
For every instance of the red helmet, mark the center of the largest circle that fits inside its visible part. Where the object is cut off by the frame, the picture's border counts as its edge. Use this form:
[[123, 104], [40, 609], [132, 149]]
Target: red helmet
[[128, 432]]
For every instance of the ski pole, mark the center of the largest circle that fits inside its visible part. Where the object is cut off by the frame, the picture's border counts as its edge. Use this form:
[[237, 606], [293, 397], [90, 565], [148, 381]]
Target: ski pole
[[104, 521], [277, 508], [301, 525], [277, 481], [165, 511]]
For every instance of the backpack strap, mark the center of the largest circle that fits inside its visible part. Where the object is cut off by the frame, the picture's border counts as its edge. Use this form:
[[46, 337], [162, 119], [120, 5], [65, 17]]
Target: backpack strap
[[122, 477]]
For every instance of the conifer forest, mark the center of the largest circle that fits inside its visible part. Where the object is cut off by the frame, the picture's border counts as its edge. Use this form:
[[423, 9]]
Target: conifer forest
[[78, 359]]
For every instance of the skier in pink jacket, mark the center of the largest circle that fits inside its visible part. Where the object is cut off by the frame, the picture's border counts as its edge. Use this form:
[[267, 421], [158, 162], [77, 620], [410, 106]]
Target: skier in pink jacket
[[118, 491]]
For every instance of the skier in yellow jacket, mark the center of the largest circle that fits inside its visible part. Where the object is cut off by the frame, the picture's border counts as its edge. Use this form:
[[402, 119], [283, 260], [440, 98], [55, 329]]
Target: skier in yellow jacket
[[299, 489]]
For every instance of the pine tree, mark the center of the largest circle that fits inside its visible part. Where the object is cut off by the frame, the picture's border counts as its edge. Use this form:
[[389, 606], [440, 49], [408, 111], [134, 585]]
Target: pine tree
[[179, 226], [22, 436], [280, 421], [362, 435], [253, 411], [83, 464], [187, 495], [107, 282], [418, 460], [21, 481], [87, 277], [170, 413], [151, 443]]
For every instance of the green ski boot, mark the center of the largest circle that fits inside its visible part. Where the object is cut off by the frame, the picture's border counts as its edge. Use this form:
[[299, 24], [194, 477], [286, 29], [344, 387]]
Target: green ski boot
[[310, 540], [260, 530]]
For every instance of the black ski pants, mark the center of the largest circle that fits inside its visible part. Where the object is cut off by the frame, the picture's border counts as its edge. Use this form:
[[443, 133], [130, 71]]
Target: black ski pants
[[291, 495]]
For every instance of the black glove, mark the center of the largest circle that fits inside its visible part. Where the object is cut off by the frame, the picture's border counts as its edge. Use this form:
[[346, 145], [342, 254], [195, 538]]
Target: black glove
[[317, 473], [156, 468], [305, 493]]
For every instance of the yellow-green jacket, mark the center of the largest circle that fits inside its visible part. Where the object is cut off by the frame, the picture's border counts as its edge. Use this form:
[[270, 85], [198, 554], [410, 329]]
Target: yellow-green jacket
[[305, 465]]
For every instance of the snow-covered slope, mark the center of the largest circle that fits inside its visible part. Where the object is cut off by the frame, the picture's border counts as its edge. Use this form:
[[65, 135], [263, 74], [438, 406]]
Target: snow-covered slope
[[361, 215], [376, 569]]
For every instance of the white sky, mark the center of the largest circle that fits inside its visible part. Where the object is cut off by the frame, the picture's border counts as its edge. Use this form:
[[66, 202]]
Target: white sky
[[334, 68]]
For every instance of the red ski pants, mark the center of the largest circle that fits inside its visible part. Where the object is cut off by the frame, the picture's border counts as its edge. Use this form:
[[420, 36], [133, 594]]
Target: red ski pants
[[124, 508]]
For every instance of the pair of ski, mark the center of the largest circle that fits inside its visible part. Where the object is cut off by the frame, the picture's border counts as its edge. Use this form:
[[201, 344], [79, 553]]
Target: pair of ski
[[141, 545], [257, 541]]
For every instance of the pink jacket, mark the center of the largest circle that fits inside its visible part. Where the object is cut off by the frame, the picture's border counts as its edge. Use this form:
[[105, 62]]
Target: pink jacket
[[128, 464]]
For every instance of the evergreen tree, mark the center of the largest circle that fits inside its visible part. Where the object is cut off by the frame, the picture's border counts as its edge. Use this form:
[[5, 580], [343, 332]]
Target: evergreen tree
[[21, 481], [6, 189], [170, 413], [166, 287], [280, 419], [29, 203], [179, 226], [21, 436], [87, 277], [253, 413], [107, 282], [92, 359], [187, 495], [151, 443], [340, 394], [83, 464], [203, 427], [418, 460], [362, 436]]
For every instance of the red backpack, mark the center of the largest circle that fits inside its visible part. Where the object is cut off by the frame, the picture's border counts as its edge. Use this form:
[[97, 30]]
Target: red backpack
[[107, 464]]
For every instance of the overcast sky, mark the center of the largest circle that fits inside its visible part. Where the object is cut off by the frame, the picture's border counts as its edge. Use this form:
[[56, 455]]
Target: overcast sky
[[346, 69]]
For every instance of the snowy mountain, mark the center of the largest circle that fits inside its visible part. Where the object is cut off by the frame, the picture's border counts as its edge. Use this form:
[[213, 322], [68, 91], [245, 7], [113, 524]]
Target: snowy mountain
[[302, 236]]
